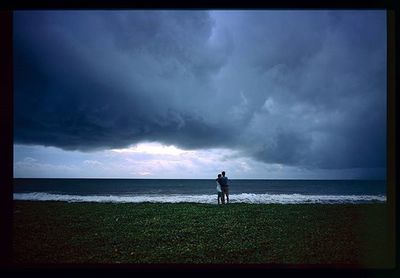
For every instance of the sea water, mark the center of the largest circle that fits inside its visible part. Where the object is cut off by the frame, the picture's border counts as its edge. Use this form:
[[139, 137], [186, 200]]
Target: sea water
[[200, 191]]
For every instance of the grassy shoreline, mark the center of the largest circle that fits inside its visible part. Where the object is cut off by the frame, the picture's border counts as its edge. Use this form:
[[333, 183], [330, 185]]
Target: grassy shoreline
[[60, 232]]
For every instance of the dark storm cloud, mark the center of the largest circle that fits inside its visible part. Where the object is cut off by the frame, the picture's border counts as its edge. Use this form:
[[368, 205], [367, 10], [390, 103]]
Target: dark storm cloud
[[84, 86], [296, 88]]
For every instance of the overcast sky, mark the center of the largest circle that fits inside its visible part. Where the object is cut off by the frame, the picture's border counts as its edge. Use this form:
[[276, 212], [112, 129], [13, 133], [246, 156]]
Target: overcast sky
[[186, 94]]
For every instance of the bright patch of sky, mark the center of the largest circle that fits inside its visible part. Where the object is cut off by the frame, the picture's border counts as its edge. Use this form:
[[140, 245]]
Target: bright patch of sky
[[154, 160]]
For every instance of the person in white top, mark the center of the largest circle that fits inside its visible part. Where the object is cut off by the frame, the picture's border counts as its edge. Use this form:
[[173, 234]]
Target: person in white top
[[220, 197]]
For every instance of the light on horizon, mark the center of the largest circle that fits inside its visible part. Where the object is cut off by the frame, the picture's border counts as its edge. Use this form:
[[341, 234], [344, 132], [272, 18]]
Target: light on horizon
[[153, 148]]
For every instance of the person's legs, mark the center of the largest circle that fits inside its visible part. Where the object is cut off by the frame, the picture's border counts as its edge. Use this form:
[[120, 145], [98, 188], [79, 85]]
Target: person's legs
[[226, 192]]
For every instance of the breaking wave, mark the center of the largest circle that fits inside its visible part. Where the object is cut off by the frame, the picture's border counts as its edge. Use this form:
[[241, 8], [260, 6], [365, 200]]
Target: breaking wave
[[249, 198]]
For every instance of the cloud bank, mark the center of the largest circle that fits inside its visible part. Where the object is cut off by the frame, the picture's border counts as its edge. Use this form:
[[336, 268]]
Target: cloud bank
[[298, 88]]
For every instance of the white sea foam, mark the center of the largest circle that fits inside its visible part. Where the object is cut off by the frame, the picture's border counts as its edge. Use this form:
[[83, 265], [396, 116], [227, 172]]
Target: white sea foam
[[206, 199]]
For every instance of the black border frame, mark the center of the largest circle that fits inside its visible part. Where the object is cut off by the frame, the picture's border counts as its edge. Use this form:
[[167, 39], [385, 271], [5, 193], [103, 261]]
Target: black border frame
[[6, 135]]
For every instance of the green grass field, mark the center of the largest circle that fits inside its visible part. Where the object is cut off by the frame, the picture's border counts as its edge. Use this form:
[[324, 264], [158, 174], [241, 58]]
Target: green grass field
[[59, 232]]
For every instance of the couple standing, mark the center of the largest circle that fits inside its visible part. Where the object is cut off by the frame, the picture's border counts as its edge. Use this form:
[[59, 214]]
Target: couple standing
[[222, 188]]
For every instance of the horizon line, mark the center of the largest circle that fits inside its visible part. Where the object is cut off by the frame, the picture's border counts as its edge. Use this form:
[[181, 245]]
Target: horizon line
[[130, 178]]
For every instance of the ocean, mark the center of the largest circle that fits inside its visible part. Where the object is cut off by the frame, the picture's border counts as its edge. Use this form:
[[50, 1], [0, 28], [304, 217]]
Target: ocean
[[200, 191]]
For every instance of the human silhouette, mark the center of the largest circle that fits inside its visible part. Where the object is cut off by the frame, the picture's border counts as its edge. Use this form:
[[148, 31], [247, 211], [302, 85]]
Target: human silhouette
[[224, 187]]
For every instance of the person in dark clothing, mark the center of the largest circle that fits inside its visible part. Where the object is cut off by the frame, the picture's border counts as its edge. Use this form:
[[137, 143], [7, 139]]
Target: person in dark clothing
[[225, 187]]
